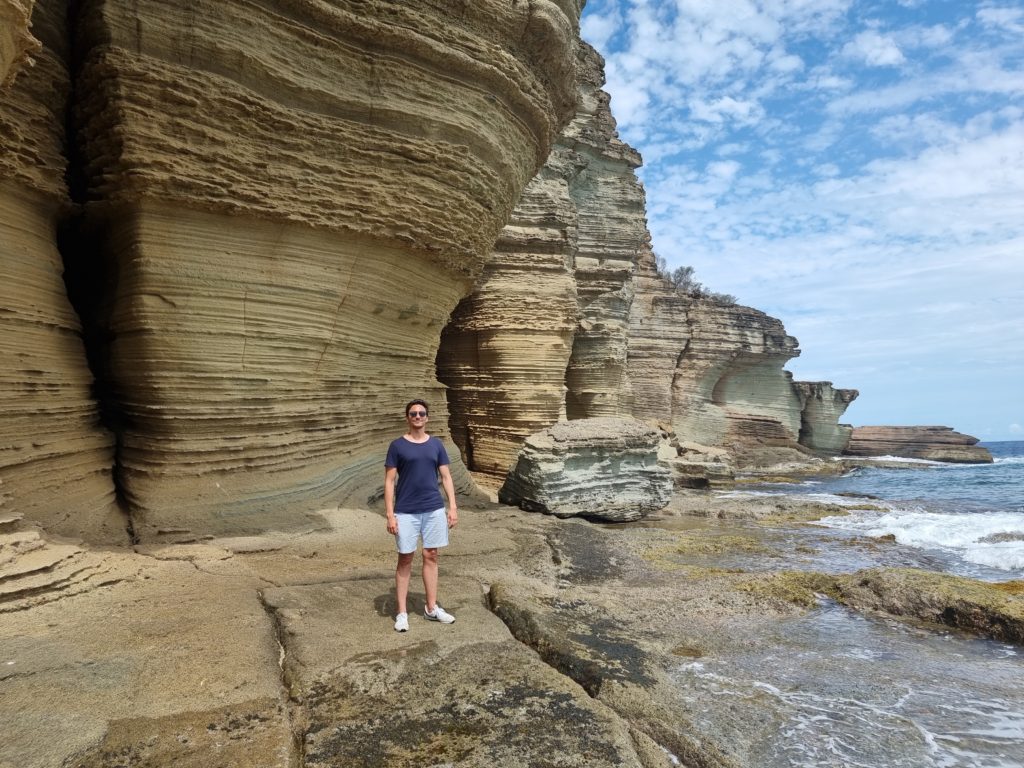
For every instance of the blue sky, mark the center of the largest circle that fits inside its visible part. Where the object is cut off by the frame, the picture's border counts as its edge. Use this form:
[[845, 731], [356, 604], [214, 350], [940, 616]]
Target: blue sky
[[855, 169]]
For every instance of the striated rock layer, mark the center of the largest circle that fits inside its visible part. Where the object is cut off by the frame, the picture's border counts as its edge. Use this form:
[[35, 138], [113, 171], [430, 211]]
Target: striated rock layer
[[55, 460], [612, 235], [822, 407], [288, 225], [544, 334], [16, 42], [932, 443], [601, 468], [715, 373]]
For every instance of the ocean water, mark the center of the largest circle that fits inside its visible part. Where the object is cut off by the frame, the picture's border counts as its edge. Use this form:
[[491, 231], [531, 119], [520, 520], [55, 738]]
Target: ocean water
[[968, 516], [835, 687]]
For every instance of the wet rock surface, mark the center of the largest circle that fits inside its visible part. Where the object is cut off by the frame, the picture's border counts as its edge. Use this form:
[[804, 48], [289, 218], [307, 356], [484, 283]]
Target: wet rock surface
[[567, 649]]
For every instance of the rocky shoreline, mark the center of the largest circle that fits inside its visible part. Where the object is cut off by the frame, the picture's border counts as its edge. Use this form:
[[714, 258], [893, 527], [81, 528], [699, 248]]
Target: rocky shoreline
[[277, 650]]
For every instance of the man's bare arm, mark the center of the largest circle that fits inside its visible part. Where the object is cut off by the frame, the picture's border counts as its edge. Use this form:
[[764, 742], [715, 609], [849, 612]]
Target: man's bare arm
[[390, 473], [449, 489]]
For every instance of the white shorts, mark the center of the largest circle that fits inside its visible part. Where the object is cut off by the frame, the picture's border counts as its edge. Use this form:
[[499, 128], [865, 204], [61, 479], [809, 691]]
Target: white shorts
[[432, 526]]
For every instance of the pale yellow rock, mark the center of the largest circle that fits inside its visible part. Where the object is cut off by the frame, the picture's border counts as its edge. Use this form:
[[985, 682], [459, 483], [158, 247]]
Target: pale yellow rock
[[290, 225], [612, 235], [543, 335], [16, 41], [56, 461]]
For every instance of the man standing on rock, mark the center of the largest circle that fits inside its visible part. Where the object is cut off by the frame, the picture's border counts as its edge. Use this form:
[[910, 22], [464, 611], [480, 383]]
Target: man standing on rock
[[416, 509]]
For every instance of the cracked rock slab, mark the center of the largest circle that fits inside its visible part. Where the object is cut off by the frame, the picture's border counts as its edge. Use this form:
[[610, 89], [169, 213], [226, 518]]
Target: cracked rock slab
[[467, 694]]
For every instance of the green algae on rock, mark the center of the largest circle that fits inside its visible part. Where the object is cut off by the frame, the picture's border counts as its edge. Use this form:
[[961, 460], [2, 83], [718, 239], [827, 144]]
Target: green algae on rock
[[995, 610]]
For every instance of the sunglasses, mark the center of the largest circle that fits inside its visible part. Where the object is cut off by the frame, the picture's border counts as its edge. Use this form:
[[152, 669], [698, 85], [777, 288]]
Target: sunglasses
[[417, 414]]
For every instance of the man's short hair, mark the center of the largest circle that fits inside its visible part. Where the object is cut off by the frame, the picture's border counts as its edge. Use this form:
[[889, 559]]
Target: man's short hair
[[411, 403]]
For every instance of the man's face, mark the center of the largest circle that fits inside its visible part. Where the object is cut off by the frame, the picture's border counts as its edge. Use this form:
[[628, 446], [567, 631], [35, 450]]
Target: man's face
[[417, 416]]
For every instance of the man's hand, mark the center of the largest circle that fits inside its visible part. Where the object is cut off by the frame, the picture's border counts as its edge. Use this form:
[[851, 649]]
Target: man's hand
[[453, 517], [392, 525]]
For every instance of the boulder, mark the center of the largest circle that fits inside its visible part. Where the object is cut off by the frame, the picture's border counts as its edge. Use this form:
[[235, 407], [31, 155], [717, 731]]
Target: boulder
[[603, 468], [931, 443]]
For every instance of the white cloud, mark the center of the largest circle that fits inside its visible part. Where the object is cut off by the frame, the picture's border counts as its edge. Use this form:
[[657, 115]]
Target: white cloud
[[1010, 19], [860, 178], [598, 30], [1016, 429], [874, 50]]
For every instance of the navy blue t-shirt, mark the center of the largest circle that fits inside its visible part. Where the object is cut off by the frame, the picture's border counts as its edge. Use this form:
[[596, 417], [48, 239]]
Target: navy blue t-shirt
[[417, 465]]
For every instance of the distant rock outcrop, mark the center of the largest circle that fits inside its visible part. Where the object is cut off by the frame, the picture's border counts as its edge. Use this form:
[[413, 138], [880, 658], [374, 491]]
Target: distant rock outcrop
[[601, 468], [822, 407], [931, 443]]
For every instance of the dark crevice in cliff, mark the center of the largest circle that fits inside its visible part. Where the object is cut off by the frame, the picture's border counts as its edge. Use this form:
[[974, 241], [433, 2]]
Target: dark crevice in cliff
[[89, 268], [448, 352]]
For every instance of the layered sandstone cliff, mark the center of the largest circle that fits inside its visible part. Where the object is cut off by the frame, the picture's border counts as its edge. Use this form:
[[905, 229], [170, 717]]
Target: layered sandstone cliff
[[268, 243], [931, 443], [543, 335], [715, 372], [278, 233], [518, 355], [56, 461]]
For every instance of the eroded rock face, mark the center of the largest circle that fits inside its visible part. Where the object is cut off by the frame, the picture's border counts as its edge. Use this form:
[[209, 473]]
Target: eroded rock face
[[16, 42], [602, 468], [729, 387], [612, 235], [289, 224], [56, 461], [932, 443], [544, 334], [823, 406]]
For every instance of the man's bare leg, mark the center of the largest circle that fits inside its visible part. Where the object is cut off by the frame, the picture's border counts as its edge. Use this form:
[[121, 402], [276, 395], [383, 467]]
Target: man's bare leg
[[402, 573], [430, 577]]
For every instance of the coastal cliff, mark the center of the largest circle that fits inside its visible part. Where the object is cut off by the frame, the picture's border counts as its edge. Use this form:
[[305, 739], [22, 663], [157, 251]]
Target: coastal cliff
[[267, 241], [571, 319], [265, 259]]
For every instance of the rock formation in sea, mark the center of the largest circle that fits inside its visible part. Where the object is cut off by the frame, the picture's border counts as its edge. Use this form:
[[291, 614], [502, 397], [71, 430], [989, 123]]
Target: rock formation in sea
[[822, 405], [603, 468], [932, 443]]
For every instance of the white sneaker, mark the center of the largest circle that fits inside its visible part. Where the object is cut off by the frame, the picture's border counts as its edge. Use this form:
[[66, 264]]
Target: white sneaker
[[439, 614], [402, 622]]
